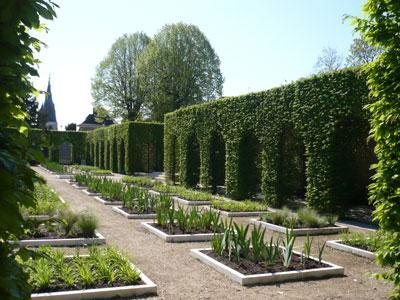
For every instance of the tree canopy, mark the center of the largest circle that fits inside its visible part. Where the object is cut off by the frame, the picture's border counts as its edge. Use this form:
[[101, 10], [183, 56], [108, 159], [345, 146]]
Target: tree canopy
[[329, 60], [178, 68], [381, 28], [361, 52], [115, 85]]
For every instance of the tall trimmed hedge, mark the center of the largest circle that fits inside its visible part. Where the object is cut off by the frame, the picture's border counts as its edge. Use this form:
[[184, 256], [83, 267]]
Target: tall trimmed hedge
[[52, 140], [308, 132], [125, 148]]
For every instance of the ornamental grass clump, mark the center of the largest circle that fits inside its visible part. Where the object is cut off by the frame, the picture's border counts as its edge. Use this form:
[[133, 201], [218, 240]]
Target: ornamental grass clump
[[50, 270], [303, 218], [55, 167]]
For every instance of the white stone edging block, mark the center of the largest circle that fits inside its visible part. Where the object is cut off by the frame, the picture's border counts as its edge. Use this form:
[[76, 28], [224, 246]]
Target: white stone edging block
[[300, 231], [178, 238], [119, 210], [268, 278], [336, 244], [230, 214], [107, 202], [86, 191], [188, 202], [98, 240]]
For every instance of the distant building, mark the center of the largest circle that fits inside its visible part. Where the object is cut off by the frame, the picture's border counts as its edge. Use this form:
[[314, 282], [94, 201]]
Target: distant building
[[47, 112], [93, 122]]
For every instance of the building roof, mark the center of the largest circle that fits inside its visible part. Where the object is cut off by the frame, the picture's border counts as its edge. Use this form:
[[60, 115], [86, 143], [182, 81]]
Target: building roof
[[91, 120]]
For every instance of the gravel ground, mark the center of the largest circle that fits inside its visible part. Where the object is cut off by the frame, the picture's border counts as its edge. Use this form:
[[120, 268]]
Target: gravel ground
[[180, 276]]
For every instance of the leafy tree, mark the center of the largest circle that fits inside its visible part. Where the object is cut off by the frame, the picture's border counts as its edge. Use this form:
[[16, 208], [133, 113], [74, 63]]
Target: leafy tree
[[115, 85], [179, 67], [17, 65], [361, 53], [31, 109], [381, 28], [71, 126], [329, 60]]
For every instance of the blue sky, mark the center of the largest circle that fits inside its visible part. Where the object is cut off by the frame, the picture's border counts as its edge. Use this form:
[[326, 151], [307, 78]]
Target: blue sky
[[261, 43]]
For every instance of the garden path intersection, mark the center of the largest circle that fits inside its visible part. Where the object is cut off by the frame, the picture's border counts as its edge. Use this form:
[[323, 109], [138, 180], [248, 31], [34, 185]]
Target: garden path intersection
[[178, 275]]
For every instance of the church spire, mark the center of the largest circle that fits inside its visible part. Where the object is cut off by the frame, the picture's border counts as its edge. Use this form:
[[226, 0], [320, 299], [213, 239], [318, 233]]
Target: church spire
[[48, 110]]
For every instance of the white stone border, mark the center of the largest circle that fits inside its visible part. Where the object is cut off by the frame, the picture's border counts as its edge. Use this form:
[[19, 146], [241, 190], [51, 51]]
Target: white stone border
[[79, 187], [178, 238], [107, 202], [337, 244], [148, 288], [231, 214], [189, 202], [65, 176], [86, 191], [268, 278], [119, 210], [98, 240], [301, 231]]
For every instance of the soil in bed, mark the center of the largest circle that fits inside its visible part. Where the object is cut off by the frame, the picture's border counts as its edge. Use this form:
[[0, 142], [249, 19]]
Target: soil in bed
[[44, 233], [175, 230], [135, 211], [59, 287], [248, 267]]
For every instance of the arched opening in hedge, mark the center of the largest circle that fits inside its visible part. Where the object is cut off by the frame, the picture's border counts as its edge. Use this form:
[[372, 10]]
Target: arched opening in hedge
[[46, 152], [107, 162], [65, 153], [292, 181], [92, 154], [121, 158], [102, 156], [192, 162], [114, 156], [352, 158], [250, 166], [87, 154], [217, 161]]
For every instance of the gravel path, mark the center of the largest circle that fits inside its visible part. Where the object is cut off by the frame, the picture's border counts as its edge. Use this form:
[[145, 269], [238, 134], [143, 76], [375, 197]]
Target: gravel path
[[180, 276]]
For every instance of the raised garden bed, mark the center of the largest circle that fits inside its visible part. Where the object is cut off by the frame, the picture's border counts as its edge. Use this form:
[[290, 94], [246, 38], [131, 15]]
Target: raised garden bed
[[177, 237], [338, 245], [82, 276], [79, 187], [190, 202], [107, 202], [267, 276], [301, 231], [67, 242], [232, 208], [127, 214], [65, 176]]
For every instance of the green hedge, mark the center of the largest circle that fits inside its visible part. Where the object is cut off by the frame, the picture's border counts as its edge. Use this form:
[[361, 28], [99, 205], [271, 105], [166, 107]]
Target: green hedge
[[52, 140], [313, 131], [125, 148]]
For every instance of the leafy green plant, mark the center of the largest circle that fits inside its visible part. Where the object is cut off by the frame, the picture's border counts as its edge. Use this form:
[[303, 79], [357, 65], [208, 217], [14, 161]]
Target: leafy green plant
[[310, 218], [55, 167], [271, 251], [307, 246], [369, 242], [288, 244], [321, 249], [257, 243], [141, 181]]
